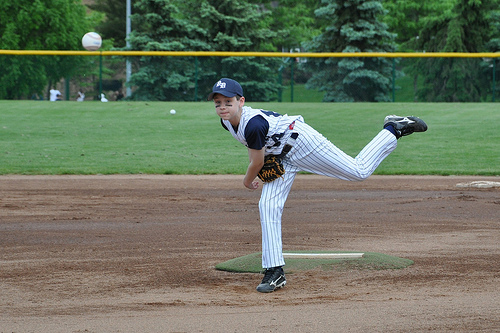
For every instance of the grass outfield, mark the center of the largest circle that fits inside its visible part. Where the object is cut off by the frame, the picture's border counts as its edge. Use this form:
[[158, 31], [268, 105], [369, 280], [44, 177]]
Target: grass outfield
[[142, 137]]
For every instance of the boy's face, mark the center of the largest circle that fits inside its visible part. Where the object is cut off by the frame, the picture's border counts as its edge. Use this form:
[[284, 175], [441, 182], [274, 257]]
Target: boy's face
[[229, 108]]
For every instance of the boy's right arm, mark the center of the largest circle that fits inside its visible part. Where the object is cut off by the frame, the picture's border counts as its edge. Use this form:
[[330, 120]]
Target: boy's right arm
[[256, 163]]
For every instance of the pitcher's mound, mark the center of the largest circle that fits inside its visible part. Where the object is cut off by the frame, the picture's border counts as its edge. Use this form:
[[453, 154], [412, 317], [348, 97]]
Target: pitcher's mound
[[303, 260]]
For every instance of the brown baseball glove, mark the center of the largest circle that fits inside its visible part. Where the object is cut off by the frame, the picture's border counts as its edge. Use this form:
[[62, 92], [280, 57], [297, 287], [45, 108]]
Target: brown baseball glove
[[272, 169]]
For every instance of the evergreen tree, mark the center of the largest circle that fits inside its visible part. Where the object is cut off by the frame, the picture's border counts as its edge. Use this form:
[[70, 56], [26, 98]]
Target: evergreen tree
[[39, 25], [193, 25], [236, 25], [468, 30], [160, 25], [407, 19], [294, 22], [493, 45], [353, 26], [113, 26]]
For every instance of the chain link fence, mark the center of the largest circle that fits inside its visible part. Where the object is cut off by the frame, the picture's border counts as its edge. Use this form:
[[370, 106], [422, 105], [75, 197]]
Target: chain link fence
[[189, 76]]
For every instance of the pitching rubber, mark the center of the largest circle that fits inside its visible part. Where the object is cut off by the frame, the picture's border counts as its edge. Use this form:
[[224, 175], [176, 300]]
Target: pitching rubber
[[322, 255]]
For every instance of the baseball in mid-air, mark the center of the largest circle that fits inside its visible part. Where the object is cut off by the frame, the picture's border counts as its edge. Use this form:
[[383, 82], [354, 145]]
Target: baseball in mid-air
[[92, 41], [172, 111]]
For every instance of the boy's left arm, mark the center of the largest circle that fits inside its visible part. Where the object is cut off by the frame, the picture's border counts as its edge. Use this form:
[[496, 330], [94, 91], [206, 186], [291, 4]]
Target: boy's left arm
[[256, 163]]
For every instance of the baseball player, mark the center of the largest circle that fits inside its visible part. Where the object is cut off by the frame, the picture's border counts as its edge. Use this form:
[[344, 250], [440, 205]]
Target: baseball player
[[297, 147]]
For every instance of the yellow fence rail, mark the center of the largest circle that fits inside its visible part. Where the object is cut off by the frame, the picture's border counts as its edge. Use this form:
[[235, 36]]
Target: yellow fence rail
[[254, 54]]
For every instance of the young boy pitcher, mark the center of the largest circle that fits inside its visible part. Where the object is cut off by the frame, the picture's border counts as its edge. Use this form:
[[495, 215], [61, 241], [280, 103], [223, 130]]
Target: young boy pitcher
[[296, 147]]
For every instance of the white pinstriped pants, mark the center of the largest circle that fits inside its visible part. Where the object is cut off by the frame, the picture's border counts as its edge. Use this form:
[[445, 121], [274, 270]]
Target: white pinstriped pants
[[313, 153]]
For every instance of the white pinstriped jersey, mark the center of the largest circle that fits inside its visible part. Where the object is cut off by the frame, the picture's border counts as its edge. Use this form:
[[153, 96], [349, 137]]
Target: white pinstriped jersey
[[311, 152], [277, 135]]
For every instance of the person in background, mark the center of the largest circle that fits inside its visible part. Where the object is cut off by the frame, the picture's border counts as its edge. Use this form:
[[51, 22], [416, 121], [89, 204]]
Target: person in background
[[119, 95], [53, 94], [81, 96]]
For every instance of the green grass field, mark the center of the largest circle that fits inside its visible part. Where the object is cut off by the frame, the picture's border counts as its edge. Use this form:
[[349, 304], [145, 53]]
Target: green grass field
[[139, 137]]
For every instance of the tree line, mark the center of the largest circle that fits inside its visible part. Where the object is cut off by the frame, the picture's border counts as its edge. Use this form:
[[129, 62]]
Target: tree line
[[251, 25]]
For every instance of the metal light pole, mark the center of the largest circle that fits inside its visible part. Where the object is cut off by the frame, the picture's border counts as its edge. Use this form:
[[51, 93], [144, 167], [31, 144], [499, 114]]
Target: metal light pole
[[100, 75], [127, 32]]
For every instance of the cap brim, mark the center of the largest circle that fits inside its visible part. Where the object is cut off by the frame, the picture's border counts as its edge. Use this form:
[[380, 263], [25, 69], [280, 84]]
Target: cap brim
[[225, 93]]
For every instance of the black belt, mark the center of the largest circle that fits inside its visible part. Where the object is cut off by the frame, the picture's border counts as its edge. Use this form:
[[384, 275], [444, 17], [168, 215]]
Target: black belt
[[288, 147]]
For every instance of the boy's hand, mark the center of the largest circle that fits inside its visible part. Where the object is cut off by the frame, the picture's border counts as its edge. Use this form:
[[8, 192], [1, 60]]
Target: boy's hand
[[253, 185]]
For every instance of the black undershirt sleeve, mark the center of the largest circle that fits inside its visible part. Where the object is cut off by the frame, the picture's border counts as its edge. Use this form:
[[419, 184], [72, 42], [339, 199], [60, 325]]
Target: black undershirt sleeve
[[256, 132]]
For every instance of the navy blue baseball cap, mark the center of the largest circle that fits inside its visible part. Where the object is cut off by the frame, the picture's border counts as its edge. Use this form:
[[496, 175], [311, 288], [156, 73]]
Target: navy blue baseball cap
[[226, 87]]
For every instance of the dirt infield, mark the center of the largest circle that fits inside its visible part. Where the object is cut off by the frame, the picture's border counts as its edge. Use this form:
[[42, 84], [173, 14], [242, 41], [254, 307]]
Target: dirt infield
[[137, 254]]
